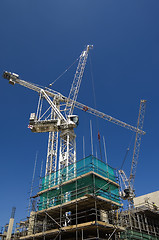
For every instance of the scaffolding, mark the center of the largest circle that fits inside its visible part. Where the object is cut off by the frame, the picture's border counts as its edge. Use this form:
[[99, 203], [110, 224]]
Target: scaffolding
[[142, 222], [92, 176], [91, 218], [84, 206]]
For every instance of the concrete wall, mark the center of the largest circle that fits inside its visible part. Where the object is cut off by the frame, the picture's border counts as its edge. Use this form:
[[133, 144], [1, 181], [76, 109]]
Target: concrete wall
[[147, 199]]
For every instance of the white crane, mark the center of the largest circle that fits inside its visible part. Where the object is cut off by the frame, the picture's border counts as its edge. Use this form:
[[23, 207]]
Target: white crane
[[58, 117], [128, 192]]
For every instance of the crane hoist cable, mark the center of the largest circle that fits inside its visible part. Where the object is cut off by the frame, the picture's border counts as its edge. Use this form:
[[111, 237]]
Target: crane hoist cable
[[95, 105], [63, 72], [127, 151]]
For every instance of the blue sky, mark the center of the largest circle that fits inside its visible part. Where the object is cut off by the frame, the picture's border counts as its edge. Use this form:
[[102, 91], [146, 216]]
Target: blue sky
[[39, 40]]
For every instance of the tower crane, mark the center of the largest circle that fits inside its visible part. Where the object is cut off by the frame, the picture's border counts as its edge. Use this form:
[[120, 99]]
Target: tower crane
[[129, 192], [58, 117], [53, 121]]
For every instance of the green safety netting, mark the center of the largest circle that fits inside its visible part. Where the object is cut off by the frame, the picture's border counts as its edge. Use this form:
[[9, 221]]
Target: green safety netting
[[131, 234], [90, 184], [77, 169]]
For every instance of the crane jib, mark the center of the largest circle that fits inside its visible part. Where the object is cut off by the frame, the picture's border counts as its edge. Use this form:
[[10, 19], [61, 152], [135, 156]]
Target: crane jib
[[15, 78]]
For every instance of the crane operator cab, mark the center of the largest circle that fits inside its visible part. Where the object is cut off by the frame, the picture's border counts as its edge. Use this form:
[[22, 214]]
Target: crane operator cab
[[73, 119], [128, 193]]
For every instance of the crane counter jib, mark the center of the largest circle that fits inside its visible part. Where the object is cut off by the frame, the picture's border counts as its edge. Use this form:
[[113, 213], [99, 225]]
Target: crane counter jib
[[14, 78]]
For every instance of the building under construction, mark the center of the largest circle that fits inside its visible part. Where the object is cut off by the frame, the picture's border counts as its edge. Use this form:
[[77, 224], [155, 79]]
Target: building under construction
[[80, 199], [86, 206]]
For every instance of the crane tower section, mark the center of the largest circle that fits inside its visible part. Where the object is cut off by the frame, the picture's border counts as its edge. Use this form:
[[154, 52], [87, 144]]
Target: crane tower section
[[137, 144], [67, 135], [128, 183], [77, 82]]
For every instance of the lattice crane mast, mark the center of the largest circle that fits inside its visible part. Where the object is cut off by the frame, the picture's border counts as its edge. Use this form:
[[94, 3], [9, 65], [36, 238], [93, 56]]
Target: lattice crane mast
[[67, 136], [128, 191]]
